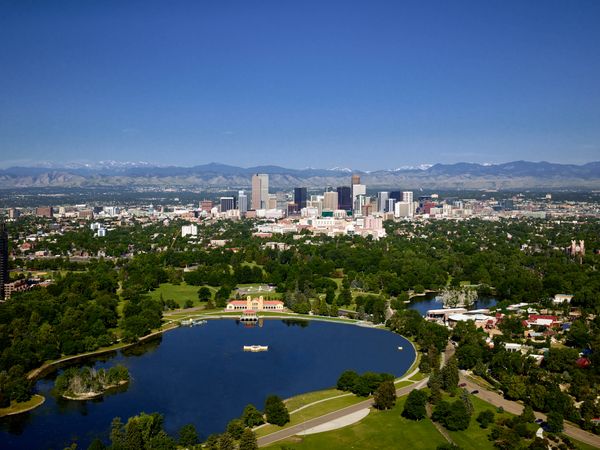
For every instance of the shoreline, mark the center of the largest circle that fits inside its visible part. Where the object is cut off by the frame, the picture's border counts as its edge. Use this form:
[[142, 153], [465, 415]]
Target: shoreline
[[47, 368], [41, 401]]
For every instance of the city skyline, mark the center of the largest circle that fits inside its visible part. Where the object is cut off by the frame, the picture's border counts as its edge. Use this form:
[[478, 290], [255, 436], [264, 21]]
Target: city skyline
[[300, 84]]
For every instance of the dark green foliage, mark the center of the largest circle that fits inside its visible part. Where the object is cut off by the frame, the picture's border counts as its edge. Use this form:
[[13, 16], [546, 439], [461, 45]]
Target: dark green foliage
[[362, 385], [235, 428], [188, 436], [454, 416], [435, 387], [449, 374], [347, 380], [385, 395], [252, 417], [414, 407], [275, 411], [485, 418], [204, 294], [142, 431], [248, 440], [555, 421], [226, 442], [74, 381], [527, 415], [97, 444]]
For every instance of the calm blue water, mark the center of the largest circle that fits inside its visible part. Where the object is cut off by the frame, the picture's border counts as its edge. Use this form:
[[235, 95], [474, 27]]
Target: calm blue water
[[432, 301], [201, 375]]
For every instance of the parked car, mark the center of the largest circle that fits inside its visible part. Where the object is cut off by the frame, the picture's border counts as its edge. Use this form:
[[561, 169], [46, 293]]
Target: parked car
[[462, 384], [475, 392]]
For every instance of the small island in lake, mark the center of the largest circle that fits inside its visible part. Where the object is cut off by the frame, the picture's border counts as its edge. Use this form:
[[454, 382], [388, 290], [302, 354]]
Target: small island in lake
[[87, 383]]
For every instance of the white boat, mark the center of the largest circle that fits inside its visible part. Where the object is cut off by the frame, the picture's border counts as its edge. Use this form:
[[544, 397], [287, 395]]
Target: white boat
[[400, 348], [256, 348]]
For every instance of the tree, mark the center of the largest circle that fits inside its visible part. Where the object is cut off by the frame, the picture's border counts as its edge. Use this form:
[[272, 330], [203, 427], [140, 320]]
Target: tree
[[248, 440], [276, 412], [414, 407], [485, 418], [347, 380], [450, 375], [97, 444], [555, 421], [527, 415], [465, 398], [235, 428], [226, 442], [458, 417], [204, 294], [385, 395], [252, 417], [435, 385], [188, 436]]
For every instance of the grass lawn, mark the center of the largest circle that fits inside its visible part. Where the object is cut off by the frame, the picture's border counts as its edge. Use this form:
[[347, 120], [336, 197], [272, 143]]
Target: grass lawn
[[311, 412], [304, 399], [379, 430], [14, 408], [178, 292], [401, 384], [418, 376]]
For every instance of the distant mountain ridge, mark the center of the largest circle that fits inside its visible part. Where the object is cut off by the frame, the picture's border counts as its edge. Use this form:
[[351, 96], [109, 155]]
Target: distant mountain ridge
[[511, 175]]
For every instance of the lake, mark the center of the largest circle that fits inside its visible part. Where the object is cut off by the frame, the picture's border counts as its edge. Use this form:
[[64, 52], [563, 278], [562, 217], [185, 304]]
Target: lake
[[431, 300], [200, 375]]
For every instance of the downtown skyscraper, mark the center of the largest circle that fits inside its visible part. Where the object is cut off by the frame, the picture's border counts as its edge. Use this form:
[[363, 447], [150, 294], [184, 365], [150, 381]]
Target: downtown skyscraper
[[260, 191]]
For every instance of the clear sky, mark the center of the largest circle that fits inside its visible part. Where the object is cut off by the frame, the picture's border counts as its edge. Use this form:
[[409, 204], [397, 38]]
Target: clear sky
[[364, 84]]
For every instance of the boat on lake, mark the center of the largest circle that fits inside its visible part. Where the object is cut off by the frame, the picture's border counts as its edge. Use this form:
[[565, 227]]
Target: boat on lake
[[256, 348]]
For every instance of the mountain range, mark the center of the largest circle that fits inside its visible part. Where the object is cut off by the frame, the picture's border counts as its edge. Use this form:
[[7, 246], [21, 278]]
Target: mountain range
[[512, 175]]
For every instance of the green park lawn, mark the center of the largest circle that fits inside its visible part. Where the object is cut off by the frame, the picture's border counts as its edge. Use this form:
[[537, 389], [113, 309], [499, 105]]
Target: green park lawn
[[311, 412], [379, 430], [178, 292], [304, 399]]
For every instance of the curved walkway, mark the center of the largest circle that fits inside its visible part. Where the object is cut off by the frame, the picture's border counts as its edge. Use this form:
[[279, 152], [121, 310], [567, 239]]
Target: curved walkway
[[336, 415]]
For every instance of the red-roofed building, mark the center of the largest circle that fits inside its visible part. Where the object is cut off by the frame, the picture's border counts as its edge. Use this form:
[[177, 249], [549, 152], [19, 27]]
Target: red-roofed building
[[254, 304]]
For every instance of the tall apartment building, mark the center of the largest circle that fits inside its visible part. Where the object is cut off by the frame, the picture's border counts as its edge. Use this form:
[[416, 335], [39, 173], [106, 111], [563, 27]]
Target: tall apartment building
[[355, 179], [3, 260], [260, 191]]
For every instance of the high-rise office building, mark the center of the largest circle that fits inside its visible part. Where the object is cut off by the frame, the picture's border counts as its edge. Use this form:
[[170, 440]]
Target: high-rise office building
[[3, 259], [300, 197], [382, 201], [330, 200], [407, 197], [344, 198], [396, 195], [227, 203], [355, 179], [242, 202], [260, 191]]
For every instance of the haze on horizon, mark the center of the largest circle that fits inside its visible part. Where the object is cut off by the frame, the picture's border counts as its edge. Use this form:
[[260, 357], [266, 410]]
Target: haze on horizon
[[369, 85]]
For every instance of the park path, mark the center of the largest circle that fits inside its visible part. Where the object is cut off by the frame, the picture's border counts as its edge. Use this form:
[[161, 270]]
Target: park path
[[293, 430]]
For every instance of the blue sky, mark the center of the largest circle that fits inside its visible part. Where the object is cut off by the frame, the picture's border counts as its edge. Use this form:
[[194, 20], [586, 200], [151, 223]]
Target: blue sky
[[363, 84]]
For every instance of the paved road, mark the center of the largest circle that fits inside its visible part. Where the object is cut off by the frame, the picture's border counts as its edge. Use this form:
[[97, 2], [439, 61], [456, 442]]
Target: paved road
[[291, 431], [516, 408]]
